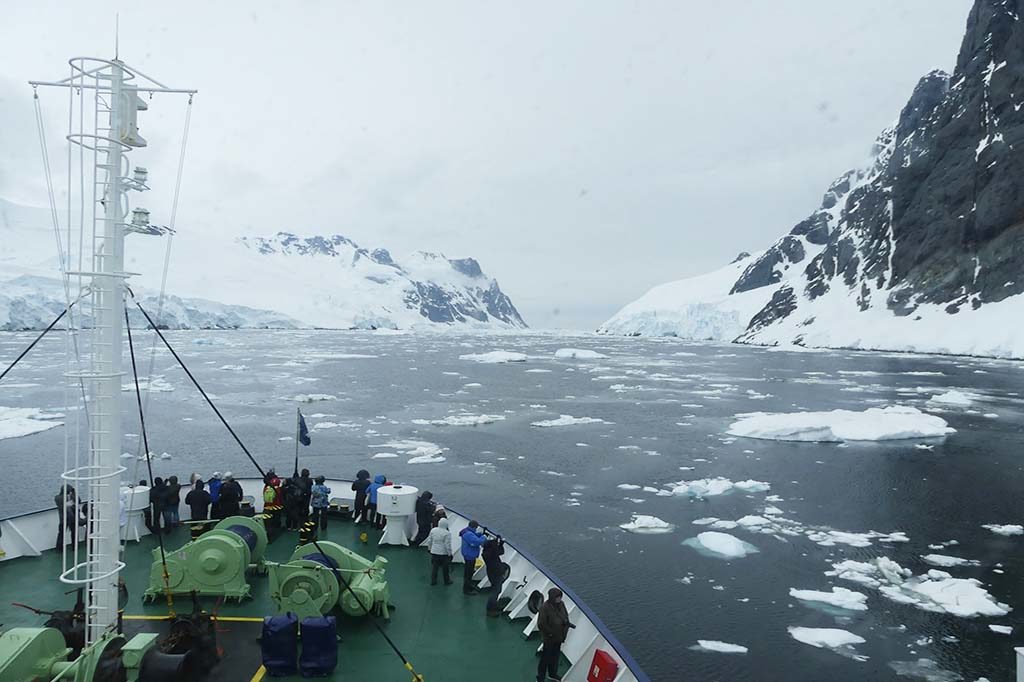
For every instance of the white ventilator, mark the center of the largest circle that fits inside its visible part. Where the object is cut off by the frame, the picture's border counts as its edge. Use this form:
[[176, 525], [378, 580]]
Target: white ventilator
[[103, 128], [398, 504]]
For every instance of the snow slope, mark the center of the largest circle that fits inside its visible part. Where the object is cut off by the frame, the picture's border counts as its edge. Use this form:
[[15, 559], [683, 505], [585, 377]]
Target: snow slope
[[223, 280]]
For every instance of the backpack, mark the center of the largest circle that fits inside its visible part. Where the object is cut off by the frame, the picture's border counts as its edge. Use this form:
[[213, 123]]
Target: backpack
[[269, 494]]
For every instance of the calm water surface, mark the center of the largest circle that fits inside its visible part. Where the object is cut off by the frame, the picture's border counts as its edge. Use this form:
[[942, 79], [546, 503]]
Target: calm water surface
[[665, 406]]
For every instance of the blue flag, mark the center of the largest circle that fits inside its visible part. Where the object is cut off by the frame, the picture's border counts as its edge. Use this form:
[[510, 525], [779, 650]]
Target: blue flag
[[303, 431]]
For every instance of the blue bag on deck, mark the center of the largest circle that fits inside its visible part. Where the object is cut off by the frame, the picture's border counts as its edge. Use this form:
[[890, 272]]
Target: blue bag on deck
[[319, 646], [279, 645]]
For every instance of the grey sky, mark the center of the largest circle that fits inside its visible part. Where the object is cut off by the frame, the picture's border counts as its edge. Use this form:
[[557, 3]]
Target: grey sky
[[582, 151]]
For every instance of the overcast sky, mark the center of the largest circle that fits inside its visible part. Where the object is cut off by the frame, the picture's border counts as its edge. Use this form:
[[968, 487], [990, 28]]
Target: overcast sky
[[582, 151]]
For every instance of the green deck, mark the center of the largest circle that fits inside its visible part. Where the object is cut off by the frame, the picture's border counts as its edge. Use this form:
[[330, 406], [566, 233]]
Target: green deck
[[446, 635]]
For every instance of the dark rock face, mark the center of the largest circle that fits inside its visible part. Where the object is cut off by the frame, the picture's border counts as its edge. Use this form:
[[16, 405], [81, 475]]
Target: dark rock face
[[939, 217]]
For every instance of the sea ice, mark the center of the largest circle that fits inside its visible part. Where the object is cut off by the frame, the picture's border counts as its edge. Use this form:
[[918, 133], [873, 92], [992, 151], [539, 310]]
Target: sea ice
[[462, 420], [720, 545], [568, 420], [925, 669], [715, 646], [873, 424], [156, 384], [419, 451], [954, 399], [16, 422], [494, 357], [1009, 529], [935, 591], [578, 354], [628, 486], [840, 641], [710, 487], [1001, 629], [839, 597], [313, 397], [644, 524], [947, 561]]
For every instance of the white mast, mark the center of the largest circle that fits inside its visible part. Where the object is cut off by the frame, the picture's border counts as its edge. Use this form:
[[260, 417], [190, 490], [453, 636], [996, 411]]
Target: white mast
[[109, 134]]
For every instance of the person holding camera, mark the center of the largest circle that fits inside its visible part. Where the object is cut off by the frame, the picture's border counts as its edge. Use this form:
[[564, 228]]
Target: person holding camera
[[492, 550], [473, 539], [553, 623]]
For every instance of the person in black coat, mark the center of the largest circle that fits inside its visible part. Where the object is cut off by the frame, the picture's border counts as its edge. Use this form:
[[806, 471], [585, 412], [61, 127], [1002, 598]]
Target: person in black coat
[[360, 485], [491, 553], [425, 507], [171, 511], [230, 496], [157, 503], [307, 495], [198, 500]]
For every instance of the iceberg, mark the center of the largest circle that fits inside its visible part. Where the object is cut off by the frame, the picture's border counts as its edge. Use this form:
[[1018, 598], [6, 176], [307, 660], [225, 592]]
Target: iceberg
[[840, 641], [840, 597], [494, 357], [649, 525], [578, 354], [836, 426], [715, 646], [720, 545], [568, 420]]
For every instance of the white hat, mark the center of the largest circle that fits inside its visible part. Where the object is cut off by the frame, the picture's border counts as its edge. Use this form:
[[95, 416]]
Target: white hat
[[229, 475], [216, 474]]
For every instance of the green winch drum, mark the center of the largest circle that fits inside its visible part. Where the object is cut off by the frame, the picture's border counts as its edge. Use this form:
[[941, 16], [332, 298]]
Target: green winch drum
[[214, 564]]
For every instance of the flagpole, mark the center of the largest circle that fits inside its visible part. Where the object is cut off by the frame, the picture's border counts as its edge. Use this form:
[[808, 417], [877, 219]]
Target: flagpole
[[298, 416]]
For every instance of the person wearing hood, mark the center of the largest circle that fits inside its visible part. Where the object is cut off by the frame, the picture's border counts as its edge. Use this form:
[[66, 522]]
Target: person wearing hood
[[371, 494], [307, 495], [491, 552], [293, 502], [321, 500], [439, 543], [157, 502], [198, 500], [171, 511], [230, 496], [553, 623], [271, 489], [360, 485], [473, 538], [425, 506], [215, 484]]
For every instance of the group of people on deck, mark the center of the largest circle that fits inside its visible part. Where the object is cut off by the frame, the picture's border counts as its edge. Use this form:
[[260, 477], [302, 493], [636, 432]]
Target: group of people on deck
[[298, 495]]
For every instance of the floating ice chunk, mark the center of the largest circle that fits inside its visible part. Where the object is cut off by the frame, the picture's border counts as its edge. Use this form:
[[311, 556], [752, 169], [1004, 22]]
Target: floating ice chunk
[[840, 597], [935, 591], [384, 455], [873, 424], [578, 354], [568, 420], [313, 397], [642, 523], [720, 545], [717, 647], [233, 368], [325, 425], [925, 669], [628, 486], [462, 420], [156, 384], [538, 371], [1009, 529], [165, 455], [16, 422], [710, 487], [947, 561], [1001, 629], [426, 459], [420, 451], [954, 399], [494, 357], [840, 641]]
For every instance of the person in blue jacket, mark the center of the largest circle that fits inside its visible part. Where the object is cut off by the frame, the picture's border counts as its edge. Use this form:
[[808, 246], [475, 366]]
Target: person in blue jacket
[[473, 538], [376, 520], [214, 485]]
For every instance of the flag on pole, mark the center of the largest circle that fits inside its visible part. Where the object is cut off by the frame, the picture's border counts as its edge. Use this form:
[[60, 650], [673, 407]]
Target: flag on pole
[[303, 431]]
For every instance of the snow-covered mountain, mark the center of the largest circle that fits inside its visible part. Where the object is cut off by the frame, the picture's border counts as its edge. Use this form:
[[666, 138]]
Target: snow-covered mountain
[[922, 248], [218, 281]]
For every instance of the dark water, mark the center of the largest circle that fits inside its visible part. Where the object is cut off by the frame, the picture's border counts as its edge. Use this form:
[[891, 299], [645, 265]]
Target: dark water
[[502, 473]]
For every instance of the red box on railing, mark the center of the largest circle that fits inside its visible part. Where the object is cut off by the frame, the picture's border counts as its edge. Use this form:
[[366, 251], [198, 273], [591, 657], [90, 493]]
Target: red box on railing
[[603, 668]]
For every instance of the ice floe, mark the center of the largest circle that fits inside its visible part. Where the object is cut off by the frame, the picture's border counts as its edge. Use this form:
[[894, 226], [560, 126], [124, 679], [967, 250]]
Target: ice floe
[[644, 524], [1008, 529], [156, 384], [840, 597], [925, 669], [934, 591], [16, 422], [720, 545], [418, 451], [578, 354], [714, 646], [495, 357], [946, 561], [710, 487], [954, 399], [462, 420], [840, 641], [312, 397], [568, 420], [873, 424], [1001, 629]]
